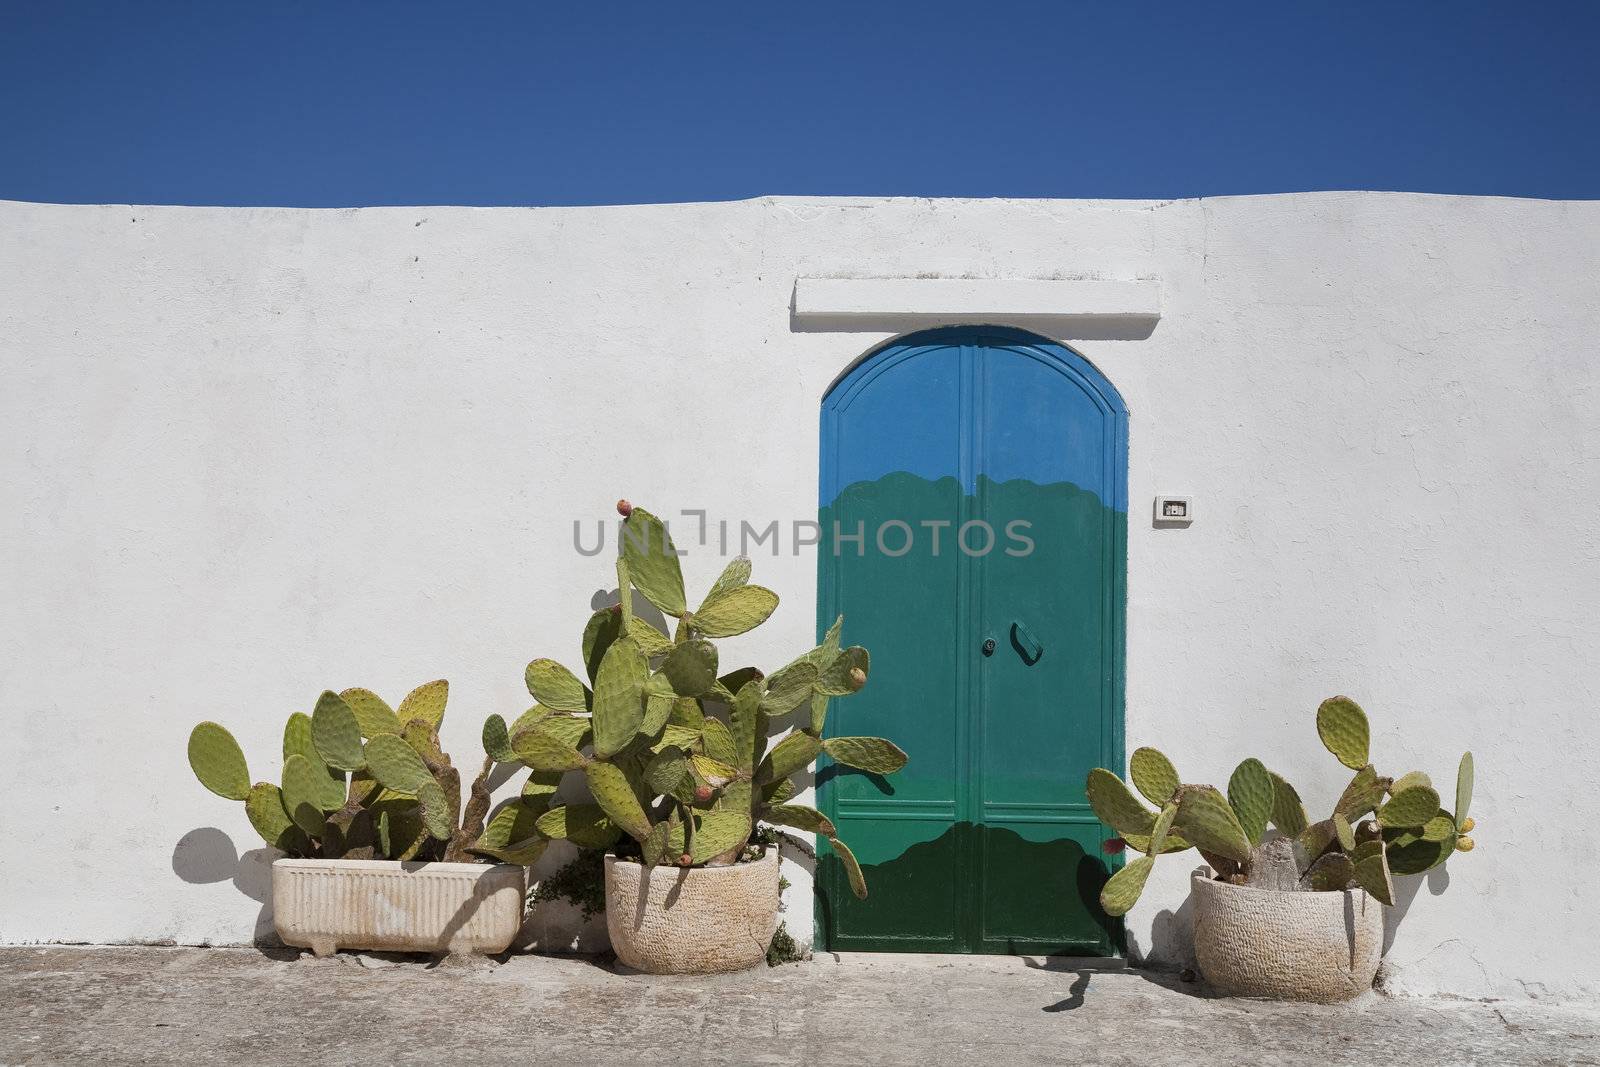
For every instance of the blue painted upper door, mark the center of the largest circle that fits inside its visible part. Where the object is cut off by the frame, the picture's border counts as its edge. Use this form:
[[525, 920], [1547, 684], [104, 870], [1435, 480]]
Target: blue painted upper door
[[974, 517]]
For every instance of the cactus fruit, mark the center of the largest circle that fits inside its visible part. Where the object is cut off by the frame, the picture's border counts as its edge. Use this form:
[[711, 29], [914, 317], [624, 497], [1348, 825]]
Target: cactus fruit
[[624, 508], [1342, 725], [1380, 828], [1467, 825], [216, 759]]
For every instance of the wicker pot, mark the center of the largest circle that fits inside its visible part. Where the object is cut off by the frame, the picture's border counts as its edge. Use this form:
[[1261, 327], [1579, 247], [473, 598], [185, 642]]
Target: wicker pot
[[325, 905], [696, 920], [1322, 947]]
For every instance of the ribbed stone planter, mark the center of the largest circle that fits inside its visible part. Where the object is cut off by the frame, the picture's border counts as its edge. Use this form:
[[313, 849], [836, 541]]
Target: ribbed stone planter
[[385, 905], [1322, 947], [696, 920]]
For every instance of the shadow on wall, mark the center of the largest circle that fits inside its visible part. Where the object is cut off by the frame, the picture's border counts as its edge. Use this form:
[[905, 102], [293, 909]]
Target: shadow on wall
[[206, 856]]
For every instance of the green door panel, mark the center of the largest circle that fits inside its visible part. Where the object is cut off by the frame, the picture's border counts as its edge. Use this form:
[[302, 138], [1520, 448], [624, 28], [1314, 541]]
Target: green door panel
[[973, 485]]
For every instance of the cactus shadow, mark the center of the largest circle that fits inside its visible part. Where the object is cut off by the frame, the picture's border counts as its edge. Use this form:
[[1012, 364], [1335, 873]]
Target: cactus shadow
[[206, 855], [642, 608], [1406, 889]]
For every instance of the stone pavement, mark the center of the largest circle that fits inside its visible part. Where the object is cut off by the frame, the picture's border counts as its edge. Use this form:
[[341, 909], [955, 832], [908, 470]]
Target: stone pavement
[[192, 1005]]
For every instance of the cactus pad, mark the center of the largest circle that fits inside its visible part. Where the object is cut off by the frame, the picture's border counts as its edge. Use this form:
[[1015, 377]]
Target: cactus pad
[[789, 688], [604, 627], [556, 687], [1344, 832], [1288, 813], [1153, 775], [1163, 829], [735, 574], [396, 764], [585, 825], [1251, 793], [1372, 871], [1342, 725], [718, 743], [1205, 817], [436, 811], [1331, 873], [834, 679], [801, 818], [541, 749], [665, 843], [1173, 842], [1118, 896], [425, 702], [336, 733], [497, 741], [616, 797], [748, 726], [523, 853], [515, 821], [618, 696], [217, 760], [1410, 807], [297, 737], [1116, 806], [1363, 794], [302, 783], [264, 806], [652, 562], [372, 712], [719, 831], [795, 752], [875, 754], [1463, 790], [1406, 781], [690, 669], [852, 869], [735, 611]]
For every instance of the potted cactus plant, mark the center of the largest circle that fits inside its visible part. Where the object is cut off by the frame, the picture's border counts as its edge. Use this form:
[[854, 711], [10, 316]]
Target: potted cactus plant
[[379, 852], [1296, 915], [679, 761]]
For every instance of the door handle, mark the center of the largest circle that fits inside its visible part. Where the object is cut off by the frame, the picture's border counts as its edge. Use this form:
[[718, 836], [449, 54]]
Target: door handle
[[1028, 645]]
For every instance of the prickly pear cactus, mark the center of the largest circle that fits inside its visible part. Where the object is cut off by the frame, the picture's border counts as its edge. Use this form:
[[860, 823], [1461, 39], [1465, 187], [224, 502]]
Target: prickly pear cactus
[[1380, 828], [684, 764]]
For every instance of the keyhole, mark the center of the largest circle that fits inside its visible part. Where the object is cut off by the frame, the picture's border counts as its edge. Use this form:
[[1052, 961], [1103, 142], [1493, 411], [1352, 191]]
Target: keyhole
[[988, 647]]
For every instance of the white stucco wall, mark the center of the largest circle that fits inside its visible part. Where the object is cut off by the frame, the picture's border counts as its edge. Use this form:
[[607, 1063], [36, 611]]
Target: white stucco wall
[[250, 454]]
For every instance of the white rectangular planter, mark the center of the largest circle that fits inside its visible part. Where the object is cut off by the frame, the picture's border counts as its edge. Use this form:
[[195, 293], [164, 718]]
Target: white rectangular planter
[[391, 906]]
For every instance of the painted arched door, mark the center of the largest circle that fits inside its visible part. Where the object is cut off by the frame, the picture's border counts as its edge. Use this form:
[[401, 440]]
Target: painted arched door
[[974, 520]]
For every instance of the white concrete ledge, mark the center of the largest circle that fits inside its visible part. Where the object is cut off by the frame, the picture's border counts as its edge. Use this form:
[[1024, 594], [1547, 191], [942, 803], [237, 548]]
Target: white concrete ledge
[[1124, 310]]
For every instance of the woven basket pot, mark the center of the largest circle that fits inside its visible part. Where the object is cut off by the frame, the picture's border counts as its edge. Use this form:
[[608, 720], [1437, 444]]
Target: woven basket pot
[[1322, 947], [695, 920]]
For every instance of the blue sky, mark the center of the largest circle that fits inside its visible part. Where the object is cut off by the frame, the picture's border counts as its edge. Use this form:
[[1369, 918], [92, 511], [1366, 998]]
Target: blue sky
[[340, 104]]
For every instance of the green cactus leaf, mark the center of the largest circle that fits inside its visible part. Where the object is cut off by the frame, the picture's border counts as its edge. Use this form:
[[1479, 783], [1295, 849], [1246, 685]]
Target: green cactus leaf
[[735, 611], [666, 771], [1406, 781], [789, 688], [1331, 873], [542, 749], [436, 811], [336, 733], [665, 843], [1464, 777], [1153, 775], [264, 806], [713, 772], [523, 853], [1163, 828], [372, 712], [1173, 842], [497, 740], [573, 730], [657, 713], [585, 825], [1312, 842], [396, 764], [651, 641], [735, 574], [1288, 813], [794, 753], [852, 869], [825, 652], [718, 742], [541, 786], [748, 726], [690, 669], [556, 687], [1372, 871], [1363, 794], [302, 786], [364, 789], [1118, 896], [801, 818], [1410, 853], [218, 761], [875, 754], [1342, 725], [780, 792], [1116, 806], [425, 702], [603, 627], [677, 737], [617, 798], [618, 697], [536, 714], [514, 821], [297, 737], [719, 831], [1411, 807], [819, 712], [1205, 817], [835, 679], [1344, 832], [652, 562], [1251, 793], [1441, 827]]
